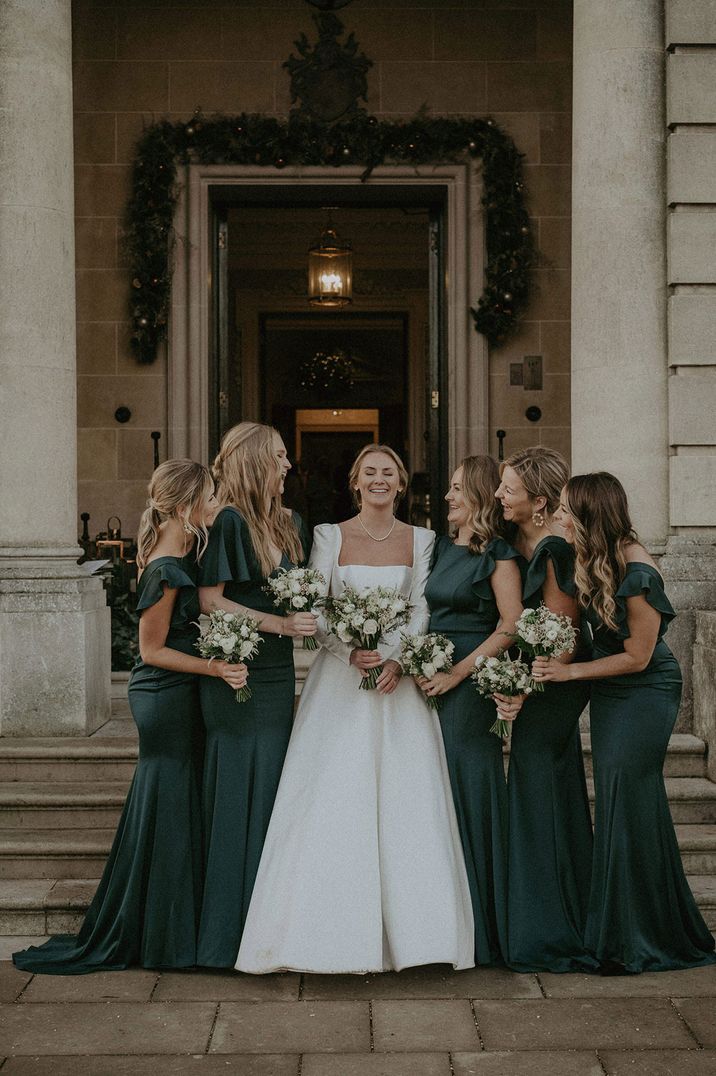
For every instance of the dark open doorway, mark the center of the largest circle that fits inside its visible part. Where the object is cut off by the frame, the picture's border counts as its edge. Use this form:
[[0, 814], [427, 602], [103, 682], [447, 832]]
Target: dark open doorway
[[387, 346]]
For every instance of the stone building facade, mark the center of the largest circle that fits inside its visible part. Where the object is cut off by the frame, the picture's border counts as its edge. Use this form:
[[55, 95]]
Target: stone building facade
[[611, 102]]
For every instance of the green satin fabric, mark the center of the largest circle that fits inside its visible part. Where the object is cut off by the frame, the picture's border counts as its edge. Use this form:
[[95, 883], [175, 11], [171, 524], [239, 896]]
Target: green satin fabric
[[642, 915], [146, 908], [463, 607], [550, 831], [245, 748]]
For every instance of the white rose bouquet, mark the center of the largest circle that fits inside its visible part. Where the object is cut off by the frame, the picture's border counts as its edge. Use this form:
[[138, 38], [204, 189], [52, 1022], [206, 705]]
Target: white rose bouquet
[[540, 633], [424, 655], [363, 618], [297, 590], [231, 638], [504, 676]]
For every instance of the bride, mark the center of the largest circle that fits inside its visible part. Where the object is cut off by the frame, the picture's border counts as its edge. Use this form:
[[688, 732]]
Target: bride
[[362, 869]]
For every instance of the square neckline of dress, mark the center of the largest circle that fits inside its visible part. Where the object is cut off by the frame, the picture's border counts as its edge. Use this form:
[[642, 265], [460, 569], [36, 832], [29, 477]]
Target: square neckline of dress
[[356, 565]]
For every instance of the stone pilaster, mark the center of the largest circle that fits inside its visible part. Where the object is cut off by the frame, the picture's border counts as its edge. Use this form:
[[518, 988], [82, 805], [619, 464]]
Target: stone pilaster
[[619, 360], [54, 624]]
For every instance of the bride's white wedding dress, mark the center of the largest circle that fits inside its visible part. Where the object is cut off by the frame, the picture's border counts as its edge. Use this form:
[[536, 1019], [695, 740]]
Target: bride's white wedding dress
[[362, 869]]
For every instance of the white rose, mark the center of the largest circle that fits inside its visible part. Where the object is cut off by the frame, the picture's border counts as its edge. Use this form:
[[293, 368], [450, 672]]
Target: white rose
[[228, 644], [429, 670], [298, 601], [295, 586], [228, 617], [370, 627], [439, 659]]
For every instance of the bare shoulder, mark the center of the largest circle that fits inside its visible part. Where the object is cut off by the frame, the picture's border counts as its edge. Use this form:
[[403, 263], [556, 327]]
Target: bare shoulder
[[635, 553]]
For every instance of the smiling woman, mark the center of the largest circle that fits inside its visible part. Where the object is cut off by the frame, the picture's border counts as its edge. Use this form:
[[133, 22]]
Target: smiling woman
[[362, 868]]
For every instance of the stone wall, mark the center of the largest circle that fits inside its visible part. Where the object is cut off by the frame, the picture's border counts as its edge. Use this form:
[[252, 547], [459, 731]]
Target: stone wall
[[705, 685], [691, 240], [135, 63]]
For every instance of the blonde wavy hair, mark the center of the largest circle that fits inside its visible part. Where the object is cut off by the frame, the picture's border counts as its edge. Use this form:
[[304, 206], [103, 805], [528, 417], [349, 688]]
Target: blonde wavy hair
[[542, 471], [247, 474], [480, 479], [599, 509], [385, 450], [176, 489]]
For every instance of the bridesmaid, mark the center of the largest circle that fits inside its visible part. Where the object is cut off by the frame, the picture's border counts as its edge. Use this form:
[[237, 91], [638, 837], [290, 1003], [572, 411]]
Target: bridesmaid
[[474, 584], [550, 832], [146, 908], [642, 915], [252, 536]]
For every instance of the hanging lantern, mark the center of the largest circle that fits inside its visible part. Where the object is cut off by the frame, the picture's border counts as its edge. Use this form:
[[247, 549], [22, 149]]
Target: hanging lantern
[[330, 270]]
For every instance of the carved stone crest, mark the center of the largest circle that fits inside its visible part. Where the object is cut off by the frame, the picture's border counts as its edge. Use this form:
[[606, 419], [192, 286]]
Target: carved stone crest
[[329, 77]]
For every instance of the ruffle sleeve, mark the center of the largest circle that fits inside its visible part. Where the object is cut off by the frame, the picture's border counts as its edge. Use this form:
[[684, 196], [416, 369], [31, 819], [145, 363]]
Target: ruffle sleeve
[[226, 557], [485, 562], [560, 554], [151, 585], [640, 579]]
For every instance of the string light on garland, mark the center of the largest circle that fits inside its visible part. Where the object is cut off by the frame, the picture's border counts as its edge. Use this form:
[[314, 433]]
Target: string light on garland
[[266, 141]]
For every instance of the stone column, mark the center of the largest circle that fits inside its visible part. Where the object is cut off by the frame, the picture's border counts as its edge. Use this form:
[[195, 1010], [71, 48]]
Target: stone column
[[54, 624], [619, 360]]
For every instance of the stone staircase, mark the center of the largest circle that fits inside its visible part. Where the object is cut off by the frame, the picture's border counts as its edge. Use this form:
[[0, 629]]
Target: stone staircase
[[60, 800]]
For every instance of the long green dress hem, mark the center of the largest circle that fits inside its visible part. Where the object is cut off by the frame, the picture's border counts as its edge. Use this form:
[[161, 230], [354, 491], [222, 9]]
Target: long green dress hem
[[146, 908], [642, 915]]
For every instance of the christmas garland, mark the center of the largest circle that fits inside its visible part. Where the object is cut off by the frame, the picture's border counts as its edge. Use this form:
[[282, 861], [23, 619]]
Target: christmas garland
[[262, 140]]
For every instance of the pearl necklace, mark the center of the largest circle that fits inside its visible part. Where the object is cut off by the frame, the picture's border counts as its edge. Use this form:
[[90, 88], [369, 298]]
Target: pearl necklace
[[385, 536]]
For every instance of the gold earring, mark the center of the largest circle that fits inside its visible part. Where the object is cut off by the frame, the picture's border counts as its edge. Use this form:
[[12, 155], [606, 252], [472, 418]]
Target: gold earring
[[538, 519]]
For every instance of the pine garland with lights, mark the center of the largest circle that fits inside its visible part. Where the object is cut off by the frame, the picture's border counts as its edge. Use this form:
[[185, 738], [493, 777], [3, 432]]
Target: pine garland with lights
[[364, 140]]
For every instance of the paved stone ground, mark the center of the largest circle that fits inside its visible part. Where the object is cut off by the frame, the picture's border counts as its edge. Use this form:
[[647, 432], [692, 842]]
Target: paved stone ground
[[422, 1022]]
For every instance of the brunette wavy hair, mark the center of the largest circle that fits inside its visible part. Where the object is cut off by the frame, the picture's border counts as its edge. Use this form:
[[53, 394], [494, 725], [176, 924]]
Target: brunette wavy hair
[[602, 526], [248, 474], [480, 479], [176, 489]]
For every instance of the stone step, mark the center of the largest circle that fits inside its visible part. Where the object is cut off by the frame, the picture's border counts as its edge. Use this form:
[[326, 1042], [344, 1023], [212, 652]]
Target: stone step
[[54, 853], [692, 799], [63, 759], [697, 844], [55, 906], [29, 805], [113, 757], [686, 756]]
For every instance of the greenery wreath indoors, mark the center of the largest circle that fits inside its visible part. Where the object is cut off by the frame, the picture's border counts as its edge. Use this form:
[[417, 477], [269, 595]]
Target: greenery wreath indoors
[[362, 140]]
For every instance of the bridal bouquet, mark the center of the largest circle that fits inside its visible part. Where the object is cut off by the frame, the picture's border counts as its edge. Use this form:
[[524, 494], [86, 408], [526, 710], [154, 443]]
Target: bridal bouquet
[[504, 676], [297, 590], [424, 655], [540, 633], [363, 618], [231, 638]]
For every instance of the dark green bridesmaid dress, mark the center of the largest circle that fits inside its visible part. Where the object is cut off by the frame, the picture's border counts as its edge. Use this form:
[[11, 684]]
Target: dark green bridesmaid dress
[[642, 915], [146, 908], [245, 747], [463, 608], [550, 830]]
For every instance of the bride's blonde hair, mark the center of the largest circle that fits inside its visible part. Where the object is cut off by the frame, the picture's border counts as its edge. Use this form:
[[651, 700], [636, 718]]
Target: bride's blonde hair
[[176, 489], [599, 509], [248, 474], [384, 450]]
